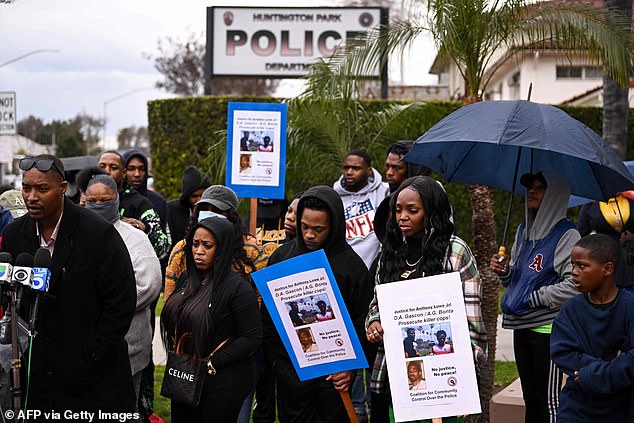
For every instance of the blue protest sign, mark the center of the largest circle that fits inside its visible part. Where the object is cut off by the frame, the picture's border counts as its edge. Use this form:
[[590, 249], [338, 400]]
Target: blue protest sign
[[308, 311]]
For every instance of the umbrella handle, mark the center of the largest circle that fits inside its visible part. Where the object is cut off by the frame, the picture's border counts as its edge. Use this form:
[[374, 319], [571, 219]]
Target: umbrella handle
[[502, 256]]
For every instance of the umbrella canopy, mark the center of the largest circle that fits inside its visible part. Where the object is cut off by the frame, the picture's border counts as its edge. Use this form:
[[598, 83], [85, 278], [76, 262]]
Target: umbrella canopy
[[491, 142], [580, 201]]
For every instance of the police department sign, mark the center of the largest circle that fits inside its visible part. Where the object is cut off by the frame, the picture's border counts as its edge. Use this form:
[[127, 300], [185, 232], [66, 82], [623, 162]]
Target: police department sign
[[8, 122], [280, 42]]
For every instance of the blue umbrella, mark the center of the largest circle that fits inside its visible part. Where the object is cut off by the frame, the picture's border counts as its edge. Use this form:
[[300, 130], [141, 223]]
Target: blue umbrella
[[575, 200], [492, 142]]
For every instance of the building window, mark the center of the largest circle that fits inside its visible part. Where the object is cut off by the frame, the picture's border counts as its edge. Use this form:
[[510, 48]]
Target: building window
[[579, 72], [569, 72], [593, 72]]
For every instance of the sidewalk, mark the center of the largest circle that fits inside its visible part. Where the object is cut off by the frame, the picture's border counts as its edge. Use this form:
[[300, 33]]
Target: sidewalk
[[158, 351], [504, 351]]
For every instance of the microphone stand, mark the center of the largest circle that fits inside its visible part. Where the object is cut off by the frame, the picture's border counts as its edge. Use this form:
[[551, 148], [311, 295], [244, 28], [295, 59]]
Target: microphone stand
[[16, 364]]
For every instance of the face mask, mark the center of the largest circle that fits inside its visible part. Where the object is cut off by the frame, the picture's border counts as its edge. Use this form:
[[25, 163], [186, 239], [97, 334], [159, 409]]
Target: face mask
[[109, 210], [205, 214]]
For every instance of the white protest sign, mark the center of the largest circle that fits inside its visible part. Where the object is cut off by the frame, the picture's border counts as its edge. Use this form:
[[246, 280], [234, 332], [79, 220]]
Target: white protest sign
[[256, 149], [428, 349], [302, 292], [306, 306]]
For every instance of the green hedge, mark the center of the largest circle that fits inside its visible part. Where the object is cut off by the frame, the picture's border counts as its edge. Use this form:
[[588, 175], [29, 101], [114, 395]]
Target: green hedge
[[186, 131]]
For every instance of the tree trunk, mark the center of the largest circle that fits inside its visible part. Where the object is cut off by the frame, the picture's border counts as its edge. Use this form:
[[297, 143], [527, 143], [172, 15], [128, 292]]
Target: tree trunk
[[484, 246], [615, 110], [615, 99], [484, 243]]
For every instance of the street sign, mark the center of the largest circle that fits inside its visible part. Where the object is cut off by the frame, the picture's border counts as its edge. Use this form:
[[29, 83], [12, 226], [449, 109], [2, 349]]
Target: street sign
[[8, 120]]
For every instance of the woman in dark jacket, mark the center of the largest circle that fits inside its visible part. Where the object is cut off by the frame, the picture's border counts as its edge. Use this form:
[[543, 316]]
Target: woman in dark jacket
[[214, 305]]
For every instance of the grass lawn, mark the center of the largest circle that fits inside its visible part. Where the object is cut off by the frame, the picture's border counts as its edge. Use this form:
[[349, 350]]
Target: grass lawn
[[505, 373], [159, 306], [161, 404]]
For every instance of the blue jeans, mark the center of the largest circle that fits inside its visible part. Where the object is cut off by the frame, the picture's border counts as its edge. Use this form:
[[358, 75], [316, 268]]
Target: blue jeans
[[360, 393]]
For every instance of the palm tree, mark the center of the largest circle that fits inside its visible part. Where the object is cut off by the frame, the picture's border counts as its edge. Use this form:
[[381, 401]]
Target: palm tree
[[615, 98], [327, 121], [478, 37]]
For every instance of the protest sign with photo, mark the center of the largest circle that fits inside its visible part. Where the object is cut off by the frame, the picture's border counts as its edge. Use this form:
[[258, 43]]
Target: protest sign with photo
[[306, 306], [256, 149], [428, 349]]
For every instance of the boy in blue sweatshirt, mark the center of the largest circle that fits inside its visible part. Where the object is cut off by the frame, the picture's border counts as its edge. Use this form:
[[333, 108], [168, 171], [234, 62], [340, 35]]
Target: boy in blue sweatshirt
[[592, 338]]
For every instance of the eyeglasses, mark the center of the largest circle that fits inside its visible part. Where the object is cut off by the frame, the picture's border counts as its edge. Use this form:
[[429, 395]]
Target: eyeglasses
[[43, 165]]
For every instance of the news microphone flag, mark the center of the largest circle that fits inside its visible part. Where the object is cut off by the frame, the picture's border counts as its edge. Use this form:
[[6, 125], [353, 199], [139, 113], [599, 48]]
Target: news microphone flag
[[6, 270], [41, 278], [41, 270], [23, 270]]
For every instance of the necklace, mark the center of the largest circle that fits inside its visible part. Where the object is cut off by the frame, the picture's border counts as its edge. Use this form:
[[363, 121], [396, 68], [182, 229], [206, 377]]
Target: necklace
[[413, 264], [406, 273]]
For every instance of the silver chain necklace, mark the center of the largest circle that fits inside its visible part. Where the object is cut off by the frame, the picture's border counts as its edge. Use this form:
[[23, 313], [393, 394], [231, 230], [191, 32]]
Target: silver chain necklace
[[413, 264]]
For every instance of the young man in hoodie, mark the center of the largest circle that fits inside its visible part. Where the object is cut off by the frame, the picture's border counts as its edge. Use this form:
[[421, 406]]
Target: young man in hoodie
[[538, 281], [193, 184], [136, 165], [361, 189], [320, 226]]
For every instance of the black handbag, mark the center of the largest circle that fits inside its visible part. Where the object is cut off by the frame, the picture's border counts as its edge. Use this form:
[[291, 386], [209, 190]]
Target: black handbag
[[184, 375]]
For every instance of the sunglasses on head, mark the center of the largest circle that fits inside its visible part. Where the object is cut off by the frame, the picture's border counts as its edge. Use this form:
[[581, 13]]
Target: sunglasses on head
[[43, 165]]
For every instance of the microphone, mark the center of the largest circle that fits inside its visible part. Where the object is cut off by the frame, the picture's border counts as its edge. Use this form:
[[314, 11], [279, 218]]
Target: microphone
[[41, 270], [23, 270], [41, 279], [22, 275], [6, 270]]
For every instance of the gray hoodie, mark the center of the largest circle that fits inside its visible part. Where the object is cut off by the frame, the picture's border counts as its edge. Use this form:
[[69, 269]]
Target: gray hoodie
[[359, 209], [547, 300]]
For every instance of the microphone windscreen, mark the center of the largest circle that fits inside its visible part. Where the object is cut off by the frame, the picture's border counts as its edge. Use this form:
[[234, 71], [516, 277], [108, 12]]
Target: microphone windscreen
[[42, 258], [24, 260], [6, 257]]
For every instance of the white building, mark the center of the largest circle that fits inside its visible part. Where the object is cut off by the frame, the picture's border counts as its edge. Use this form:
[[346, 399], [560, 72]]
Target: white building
[[556, 78], [12, 149]]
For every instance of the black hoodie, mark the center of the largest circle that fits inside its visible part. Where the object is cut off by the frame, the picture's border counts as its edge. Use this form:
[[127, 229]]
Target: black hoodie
[[158, 201], [179, 209], [350, 272]]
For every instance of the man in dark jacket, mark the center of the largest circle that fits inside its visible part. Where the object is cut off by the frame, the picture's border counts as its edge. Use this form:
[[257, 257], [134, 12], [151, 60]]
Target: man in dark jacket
[[321, 225], [194, 183], [79, 358]]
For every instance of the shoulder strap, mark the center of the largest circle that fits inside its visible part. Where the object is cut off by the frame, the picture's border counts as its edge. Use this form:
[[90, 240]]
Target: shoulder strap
[[217, 348]]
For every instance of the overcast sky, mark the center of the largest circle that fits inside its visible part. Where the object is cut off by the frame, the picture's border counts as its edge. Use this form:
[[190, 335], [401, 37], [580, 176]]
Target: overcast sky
[[101, 47]]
